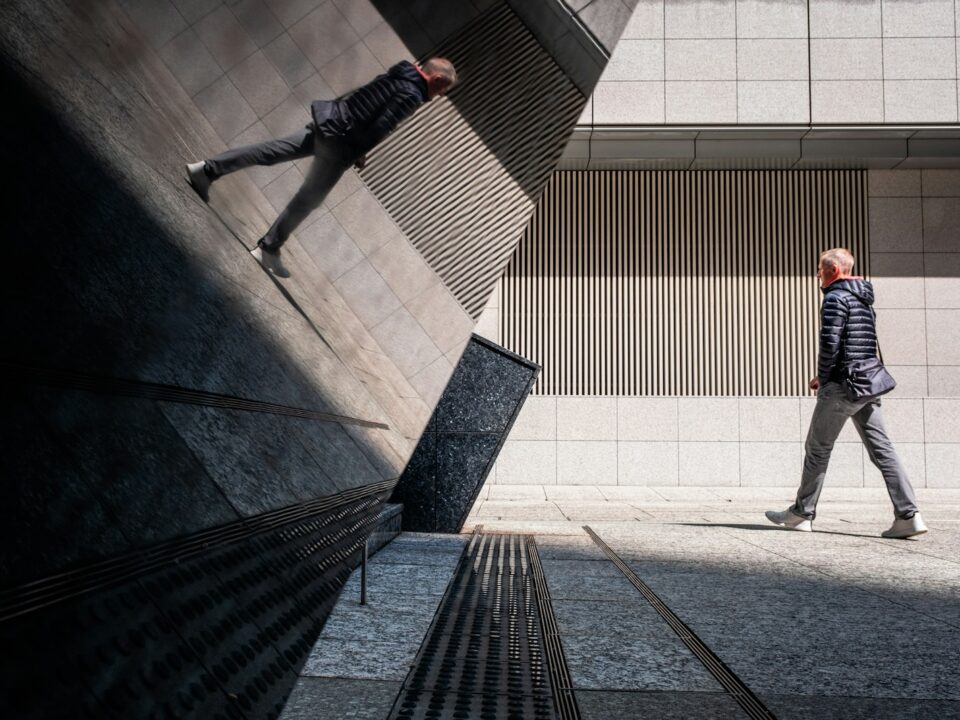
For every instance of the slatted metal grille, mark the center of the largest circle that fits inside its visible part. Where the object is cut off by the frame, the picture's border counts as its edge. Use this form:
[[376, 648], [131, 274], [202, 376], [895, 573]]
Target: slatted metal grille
[[483, 656], [678, 283], [462, 176], [215, 625]]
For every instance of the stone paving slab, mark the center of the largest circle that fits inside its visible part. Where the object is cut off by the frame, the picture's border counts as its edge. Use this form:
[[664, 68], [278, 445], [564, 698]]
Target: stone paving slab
[[378, 619], [614, 705], [312, 698], [785, 670], [660, 662], [520, 525], [568, 547], [507, 510], [397, 579], [379, 641], [601, 511], [805, 707], [578, 587], [373, 658], [516, 492], [630, 615], [834, 623], [598, 567]]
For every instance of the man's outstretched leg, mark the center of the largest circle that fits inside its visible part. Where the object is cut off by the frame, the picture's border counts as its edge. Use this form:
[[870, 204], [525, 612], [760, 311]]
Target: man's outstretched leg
[[906, 521], [829, 415], [329, 164], [201, 174]]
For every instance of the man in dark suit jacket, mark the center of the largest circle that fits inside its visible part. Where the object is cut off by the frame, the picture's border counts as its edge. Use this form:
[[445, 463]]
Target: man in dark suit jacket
[[341, 134]]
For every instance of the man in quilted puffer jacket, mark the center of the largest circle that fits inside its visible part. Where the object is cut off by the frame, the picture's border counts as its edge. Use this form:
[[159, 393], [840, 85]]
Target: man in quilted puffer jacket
[[341, 134], [847, 332]]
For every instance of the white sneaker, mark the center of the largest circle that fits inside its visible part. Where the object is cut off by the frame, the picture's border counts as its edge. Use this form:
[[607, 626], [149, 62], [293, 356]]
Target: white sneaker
[[905, 528], [789, 520], [199, 180], [271, 262]]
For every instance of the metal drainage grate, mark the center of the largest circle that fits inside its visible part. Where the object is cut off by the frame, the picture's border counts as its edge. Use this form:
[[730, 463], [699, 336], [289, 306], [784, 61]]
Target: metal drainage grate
[[560, 680], [483, 656], [734, 686]]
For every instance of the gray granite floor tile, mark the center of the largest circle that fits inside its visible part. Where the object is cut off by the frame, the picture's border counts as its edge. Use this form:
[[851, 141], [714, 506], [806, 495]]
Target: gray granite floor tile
[[805, 707], [315, 698], [565, 551], [350, 620], [612, 705], [853, 669], [578, 587], [441, 556], [507, 510], [388, 578], [608, 618], [533, 527], [629, 663], [600, 567], [434, 541], [596, 511], [374, 659]]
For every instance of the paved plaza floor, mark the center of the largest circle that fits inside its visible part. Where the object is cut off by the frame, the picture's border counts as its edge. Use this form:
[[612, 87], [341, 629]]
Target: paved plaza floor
[[837, 623]]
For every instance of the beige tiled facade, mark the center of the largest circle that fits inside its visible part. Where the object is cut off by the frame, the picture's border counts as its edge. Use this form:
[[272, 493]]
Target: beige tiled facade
[[749, 441], [823, 61]]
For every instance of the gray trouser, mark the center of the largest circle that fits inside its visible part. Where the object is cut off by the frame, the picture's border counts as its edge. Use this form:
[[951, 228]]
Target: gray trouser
[[331, 159], [830, 414]]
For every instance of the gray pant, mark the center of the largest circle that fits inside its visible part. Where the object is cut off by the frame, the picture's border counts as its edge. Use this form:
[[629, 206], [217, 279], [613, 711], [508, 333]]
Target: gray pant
[[830, 414], [331, 159]]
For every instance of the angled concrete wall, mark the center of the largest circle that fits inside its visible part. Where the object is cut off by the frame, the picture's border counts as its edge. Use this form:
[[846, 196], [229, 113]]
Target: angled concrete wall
[[217, 441], [136, 280]]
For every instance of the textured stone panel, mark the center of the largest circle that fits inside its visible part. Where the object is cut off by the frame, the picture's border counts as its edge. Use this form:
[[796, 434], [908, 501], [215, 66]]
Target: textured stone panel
[[471, 420], [648, 463], [709, 463], [586, 418], [586, 462]]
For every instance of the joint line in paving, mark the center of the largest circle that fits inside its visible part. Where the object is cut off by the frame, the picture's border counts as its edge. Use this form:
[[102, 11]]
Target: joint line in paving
[[734, 686]]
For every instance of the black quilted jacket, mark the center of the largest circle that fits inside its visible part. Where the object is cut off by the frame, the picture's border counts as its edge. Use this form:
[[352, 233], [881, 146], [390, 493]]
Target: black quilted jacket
[[847, 327], [368, 114]]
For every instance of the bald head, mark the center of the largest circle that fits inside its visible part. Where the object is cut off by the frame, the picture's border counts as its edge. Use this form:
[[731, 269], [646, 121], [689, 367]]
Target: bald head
[[441, 75], [839, 258], [835, 264]]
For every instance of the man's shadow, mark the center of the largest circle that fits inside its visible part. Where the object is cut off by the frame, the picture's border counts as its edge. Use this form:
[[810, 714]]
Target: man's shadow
[[752, 526]]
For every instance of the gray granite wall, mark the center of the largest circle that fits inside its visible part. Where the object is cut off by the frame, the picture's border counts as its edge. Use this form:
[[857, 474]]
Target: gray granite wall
[[465, 434], [158, 382], [123, 275]]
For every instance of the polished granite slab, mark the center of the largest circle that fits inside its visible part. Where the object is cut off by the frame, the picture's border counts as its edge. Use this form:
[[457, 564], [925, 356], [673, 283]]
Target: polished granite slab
[[380, 640], [815, 707], [457, 451], [313, 697], [658, 661], [663, 705]]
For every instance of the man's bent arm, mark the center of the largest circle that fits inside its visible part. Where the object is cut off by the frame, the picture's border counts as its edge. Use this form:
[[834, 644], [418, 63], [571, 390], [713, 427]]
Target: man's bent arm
[[834, 319]]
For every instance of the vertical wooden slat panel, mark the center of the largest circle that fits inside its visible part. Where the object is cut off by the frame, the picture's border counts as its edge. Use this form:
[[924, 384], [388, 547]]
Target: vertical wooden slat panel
[[673, 283]]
